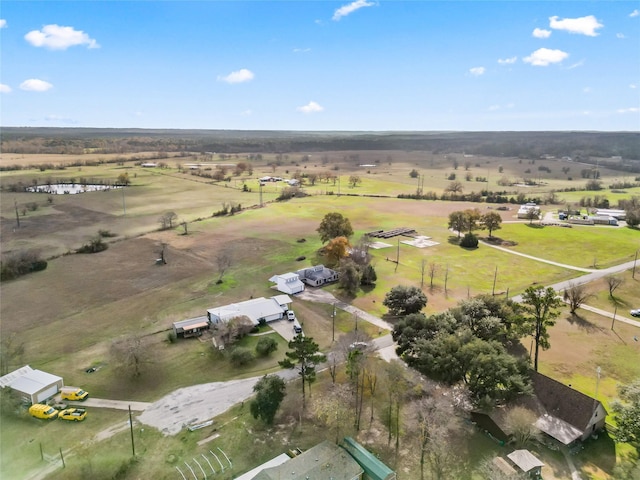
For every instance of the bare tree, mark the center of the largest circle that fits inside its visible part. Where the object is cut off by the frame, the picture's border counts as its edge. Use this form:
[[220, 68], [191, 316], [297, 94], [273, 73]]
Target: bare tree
[[131, 354], [520, 423], [167, 219], [433, 421], [11, 352], [423, 269], [224, 260], [185, 225], [613, 282], [575, 296], [433, 269], [333, 408]]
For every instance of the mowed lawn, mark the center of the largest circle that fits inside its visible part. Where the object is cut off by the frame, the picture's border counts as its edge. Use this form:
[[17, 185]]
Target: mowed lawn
[[581, 246]]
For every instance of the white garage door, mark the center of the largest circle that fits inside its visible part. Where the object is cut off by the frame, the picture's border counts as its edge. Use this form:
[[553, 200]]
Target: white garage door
[[49, 392]]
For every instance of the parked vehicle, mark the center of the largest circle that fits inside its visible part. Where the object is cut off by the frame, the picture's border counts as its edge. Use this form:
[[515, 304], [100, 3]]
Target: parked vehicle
[[39, 410], [73, 394], [291, 316], [297, 329], [635, 313], [73, 414]]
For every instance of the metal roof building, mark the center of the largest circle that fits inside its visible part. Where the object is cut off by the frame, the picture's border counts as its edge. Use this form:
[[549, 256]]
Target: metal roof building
[[34, 386]]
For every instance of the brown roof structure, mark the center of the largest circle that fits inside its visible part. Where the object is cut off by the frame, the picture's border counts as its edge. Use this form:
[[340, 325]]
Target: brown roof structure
[[563, 402]]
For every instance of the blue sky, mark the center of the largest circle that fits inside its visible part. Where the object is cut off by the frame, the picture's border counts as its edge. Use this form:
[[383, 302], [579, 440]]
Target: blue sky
[[322, 65]]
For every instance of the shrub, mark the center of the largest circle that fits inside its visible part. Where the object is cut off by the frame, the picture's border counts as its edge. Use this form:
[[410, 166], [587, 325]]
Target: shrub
[[469, 241], [241, 356], [171, 336], [94, 246], [20, 263], [266, 346]]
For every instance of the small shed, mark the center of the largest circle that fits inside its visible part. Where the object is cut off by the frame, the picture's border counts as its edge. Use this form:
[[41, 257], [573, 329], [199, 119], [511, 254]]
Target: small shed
[[193, 327], [34, 386], [527, 462]]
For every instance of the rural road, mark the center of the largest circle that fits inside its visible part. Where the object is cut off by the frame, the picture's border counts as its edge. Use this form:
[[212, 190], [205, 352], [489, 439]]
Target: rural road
[[104, 403]]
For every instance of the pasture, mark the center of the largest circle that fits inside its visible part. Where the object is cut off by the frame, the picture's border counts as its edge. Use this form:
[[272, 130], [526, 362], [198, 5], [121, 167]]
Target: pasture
[[68, 315]]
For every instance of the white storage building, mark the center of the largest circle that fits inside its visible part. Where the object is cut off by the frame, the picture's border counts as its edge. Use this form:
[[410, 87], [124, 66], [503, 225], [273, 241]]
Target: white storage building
[[34, 386]]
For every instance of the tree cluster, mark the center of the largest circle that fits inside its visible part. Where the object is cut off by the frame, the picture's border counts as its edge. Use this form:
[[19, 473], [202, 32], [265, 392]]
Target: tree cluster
[[466, 344]]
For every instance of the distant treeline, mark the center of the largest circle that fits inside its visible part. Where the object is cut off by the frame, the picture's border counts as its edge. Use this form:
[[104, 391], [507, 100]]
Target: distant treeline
[[622, 148]]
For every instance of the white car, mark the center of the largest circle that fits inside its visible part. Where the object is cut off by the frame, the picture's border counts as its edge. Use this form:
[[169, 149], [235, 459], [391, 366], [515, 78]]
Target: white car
[[635, 313], [291, 316]]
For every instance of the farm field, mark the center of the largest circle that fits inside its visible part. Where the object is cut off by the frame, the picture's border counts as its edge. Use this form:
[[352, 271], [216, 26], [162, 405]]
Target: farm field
[[119, 292]]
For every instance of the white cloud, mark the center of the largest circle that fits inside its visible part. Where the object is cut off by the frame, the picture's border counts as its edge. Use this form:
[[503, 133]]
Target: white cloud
[[239, 76], [247, 113], [633, 86], [628, 110], [541, 33], [59, 119], [576, 65], [507, 61], [620, 35], [583, 25], [545, 56], [635, 13], [350, 8], [3, 23], [587, 90], [301, 50], [311, 107], [35, 85], [55, 37], [477, 71], [493, 108], [5, 88]]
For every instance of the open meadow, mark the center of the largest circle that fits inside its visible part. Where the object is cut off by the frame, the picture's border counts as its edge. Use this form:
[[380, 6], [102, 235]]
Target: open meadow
[[68, 316]]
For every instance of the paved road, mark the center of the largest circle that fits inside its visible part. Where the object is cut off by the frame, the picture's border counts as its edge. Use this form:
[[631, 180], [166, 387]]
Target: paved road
[[104, 403]]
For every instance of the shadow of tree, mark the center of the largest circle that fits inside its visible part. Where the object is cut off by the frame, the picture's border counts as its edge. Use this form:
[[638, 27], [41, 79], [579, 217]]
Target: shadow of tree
[[535, 225], [453, 239], [600, 452], [580, 322]]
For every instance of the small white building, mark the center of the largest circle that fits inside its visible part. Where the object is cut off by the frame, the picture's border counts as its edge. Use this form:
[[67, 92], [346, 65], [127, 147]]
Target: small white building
[[34, 386], [528, 209], [288, 283], [257, 310]]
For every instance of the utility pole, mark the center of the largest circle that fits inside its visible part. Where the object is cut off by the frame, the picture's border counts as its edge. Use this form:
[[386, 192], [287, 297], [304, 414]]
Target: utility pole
[[398, 256], [495, 275], [615, 310], [133, 447], [260, 193], [124, 206], [333, 326], [15, 204], [633, 272]]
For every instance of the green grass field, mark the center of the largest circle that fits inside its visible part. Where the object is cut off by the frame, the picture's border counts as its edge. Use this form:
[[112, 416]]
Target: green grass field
[[121, 291]]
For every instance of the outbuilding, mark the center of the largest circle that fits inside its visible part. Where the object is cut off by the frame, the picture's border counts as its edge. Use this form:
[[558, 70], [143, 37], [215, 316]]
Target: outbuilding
[[34, 386], [288, 283], [192, 327]]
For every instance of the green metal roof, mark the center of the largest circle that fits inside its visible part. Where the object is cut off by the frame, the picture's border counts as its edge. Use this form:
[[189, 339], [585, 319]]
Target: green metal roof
[[373, 468]]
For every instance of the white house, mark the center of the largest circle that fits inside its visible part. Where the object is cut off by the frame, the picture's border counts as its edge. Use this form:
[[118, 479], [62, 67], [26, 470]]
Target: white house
[[288, 283], [34, 386], [257, 310]]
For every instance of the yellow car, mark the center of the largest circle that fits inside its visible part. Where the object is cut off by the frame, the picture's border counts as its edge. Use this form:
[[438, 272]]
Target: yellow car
[[39, 410], [73, 414]]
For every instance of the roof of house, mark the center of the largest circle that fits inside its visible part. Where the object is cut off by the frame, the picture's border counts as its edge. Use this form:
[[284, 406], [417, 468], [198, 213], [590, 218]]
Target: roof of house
[[564, 402], [254, 309], [503, 466], [372, 466], [488, 422], [274, 462], [525, 460], [32, 381], [323, 461], [6, 380], [191, 323], [558, 429], [282, 299], [317, 271]]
